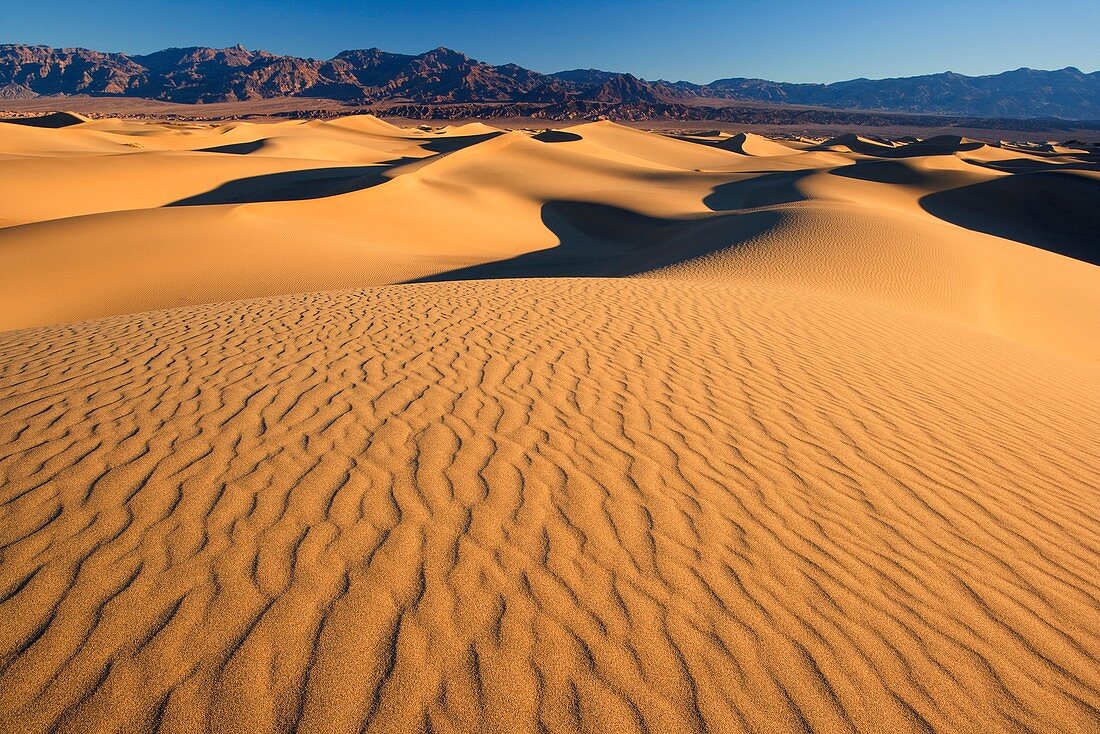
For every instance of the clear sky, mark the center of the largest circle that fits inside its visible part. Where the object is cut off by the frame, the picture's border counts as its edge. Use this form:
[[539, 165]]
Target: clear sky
[[783, 40]]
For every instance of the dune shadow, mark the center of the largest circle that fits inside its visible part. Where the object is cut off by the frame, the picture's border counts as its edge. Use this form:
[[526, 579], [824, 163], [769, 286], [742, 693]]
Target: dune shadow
[[735, 144], [697, 141], [557, 136], [451, 144], [769, 189], [53, 120], [936, 145], [312, 183], [235, 148], [1030, 165], [886, 172], [855, 143], [1051, 210], [598, 240]]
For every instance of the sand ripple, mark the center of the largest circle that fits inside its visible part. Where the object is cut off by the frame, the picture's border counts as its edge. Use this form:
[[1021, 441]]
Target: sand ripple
[[547, 506]]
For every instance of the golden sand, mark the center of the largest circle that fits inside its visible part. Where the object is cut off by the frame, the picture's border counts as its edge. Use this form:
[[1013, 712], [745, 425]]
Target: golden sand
[[826, 462]]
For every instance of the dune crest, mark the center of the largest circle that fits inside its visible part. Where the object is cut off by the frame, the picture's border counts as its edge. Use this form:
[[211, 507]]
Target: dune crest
[[245, 210], [50, 121], [755, 145]]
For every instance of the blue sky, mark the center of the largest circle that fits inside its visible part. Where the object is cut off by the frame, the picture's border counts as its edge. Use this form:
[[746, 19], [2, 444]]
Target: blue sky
[[790, 40]]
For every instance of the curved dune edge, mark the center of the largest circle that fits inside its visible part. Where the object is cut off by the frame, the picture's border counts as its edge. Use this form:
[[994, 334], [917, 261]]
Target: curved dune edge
[[106, 217], [545, 505]]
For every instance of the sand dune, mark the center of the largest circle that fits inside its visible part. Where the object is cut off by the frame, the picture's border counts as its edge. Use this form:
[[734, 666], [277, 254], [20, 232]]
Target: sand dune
[[915, 225], [580, 505], [53, 120], [757, 145], [345, 426]]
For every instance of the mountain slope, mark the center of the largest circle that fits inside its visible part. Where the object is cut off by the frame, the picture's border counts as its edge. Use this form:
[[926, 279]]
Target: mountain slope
[[442, 75], [200, 74], [1067, 93]]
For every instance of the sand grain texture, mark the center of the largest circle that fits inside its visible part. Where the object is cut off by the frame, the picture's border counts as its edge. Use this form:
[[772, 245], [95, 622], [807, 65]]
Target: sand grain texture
[[826, 463]]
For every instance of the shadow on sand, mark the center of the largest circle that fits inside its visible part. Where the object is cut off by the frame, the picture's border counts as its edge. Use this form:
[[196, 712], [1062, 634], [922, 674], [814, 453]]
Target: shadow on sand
[[597, 240], [1086, 162], [313, 183], [1058, 212], [53, 121], [885, 172], [769, 189], [235, 148], [557, 136], [450, 145]]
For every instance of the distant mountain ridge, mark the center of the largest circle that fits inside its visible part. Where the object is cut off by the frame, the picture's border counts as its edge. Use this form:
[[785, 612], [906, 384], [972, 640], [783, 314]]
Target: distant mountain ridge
[[442, 76], [1067, 93]]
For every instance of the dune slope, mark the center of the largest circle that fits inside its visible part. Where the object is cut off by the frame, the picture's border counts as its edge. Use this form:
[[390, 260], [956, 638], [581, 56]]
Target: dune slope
[[194, 214], [546, 505]]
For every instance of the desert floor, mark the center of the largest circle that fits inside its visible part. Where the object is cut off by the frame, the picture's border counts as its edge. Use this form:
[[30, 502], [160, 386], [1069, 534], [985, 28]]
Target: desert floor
[[342, 426]]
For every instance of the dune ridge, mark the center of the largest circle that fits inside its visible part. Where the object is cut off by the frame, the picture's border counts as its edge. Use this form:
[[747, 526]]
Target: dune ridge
[[233, 204], [342, 426]]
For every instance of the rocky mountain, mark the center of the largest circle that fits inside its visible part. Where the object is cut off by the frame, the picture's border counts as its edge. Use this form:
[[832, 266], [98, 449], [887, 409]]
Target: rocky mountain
[[229, 74], [1067, 93], [627, 88], [445, 76], [16, 91], [586, 77]]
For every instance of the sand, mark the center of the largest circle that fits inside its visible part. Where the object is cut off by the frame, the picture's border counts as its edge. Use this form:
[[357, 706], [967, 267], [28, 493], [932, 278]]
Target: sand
[[342, 426]]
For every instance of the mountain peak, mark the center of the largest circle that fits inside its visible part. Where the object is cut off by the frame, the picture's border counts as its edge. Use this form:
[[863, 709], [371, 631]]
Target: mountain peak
[[627, 88], [204, 74], [443, 51]]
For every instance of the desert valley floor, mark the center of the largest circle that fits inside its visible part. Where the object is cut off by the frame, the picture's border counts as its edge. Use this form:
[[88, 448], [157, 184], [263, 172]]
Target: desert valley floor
[[337, 426]]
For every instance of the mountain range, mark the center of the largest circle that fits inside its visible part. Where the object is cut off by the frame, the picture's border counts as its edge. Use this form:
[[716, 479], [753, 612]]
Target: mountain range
[[445, 76]]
